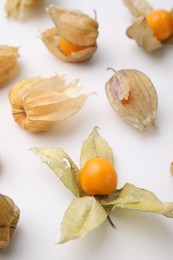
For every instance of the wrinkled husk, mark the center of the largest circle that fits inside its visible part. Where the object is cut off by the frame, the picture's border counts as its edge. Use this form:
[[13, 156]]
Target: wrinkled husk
[[82, 216], [141, 32], [135, 198], [76, 28], [8, 63], [85, 213], [9, 217], [63, 166], [51, 39], [37, 103], [138, 7], [17, 8], [95, 146], [133, 96]]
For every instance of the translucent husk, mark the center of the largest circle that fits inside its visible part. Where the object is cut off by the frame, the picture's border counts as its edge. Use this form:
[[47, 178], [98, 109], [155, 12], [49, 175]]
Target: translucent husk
[[76, 28], [8, 63], [133, 96], [9, 217], [18, 8], [139, 30], [37, 103], [85, 213], [143, 35], [138, 7]]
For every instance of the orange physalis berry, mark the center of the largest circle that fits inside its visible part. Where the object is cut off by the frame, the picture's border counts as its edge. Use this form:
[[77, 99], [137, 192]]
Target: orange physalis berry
[[98, 176], [126, 101], [161, 22], [67, 47]]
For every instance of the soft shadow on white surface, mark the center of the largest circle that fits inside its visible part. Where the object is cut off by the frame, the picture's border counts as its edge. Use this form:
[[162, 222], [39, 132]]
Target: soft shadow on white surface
[[140, 158]]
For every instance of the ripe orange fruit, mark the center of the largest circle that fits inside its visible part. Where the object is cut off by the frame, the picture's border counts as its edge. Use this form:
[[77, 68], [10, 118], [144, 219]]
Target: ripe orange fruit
[[161, 22], [98, 176], [67, 47]]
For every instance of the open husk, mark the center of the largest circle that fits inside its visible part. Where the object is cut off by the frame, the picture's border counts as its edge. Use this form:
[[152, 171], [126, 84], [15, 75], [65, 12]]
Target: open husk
[[37, 103], [9, 217], [140, 30], [51, 39], [76, 28], [143, 35], [18, 9], [87, 212], [8, 63], [133, 97]]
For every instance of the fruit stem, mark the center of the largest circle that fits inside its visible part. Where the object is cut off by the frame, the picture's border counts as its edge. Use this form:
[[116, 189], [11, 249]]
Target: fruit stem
[[110, 221], [95, 14], [109, 68]]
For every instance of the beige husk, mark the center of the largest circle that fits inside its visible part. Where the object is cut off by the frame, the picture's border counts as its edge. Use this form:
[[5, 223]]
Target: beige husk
[[76, 28], [85, 213], [143, 35], [18, 8], [139, 30], [171, 168], [73, 25], [133, 96], [138, 7], [8, 63], [51, 40], [39, 102], [9, 217]]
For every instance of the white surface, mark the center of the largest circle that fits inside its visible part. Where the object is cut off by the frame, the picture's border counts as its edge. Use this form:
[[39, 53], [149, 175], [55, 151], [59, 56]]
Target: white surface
[[141, 158]]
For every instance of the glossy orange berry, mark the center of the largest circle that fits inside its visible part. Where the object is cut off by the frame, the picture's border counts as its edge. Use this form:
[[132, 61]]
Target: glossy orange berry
[[161, 22], [67, 47], [98, 176]]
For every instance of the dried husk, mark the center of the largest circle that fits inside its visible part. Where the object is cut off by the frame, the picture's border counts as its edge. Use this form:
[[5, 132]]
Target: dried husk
[[134, 198], [37, 103], [82, 216], [76, 28], [138, 7], [9, 217], [86, 213], [95, 146], [17, 9], [171, 168], [8, 63], [63, 166], [141, 32], [73, 25], [51, 38], [133, 96]]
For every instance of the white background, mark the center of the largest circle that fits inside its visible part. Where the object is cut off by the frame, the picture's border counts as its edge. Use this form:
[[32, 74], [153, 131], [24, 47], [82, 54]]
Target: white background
[[142, 159]]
